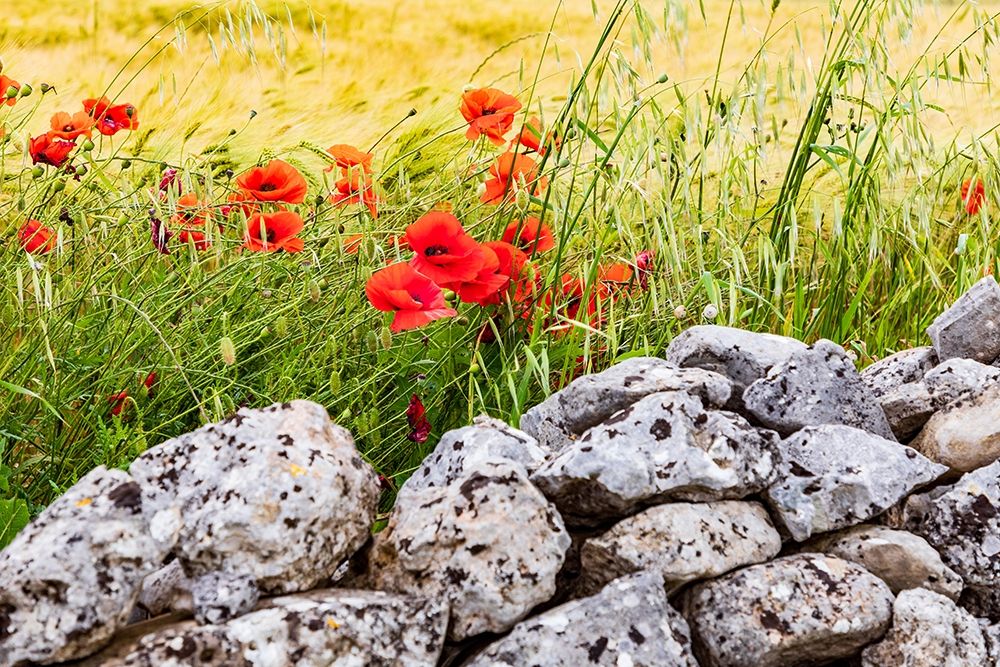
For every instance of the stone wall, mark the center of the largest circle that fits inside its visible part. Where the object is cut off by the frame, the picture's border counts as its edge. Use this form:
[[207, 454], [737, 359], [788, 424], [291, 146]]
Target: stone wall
[[745, 501]]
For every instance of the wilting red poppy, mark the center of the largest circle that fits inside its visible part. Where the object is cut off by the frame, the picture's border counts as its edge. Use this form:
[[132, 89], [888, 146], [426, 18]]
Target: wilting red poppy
[[489, 112], [486, 285], [508, 173], [117, 402], [355, 188], [973, 196], [36, 238], [65, 126], [348, 157], [530, 235], [6, 83], [149, 383], [275, 181], [45, 149], [191, 220], [416, 417], [270, 232], [112, 118], [415, 298], [644, 267], [531, 137], [444, 252]]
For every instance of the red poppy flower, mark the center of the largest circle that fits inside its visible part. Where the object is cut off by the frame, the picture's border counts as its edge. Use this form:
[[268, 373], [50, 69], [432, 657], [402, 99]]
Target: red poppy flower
[[45, 149], [6, 83], [444, 252], [352, 243], [149, 383], [973, 196], [65, 126], [486, 286], [270, 232], [355, 188], [416, 417], [614, 279], [191, 219], [508, 173], [414, 298], [348, 157], [35, 238], [239, 200], [117, 402], [112, 118], [531, 137], [530, 235], [512, 264], [489, 112], [275, 181]]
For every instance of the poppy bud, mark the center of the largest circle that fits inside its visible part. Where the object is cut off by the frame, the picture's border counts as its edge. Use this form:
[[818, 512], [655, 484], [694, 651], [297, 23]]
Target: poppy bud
[[88, 145], [122, 219], [314, 291], [449, 296], [81, 170], [371, 341], [130, 111], [335, 382], [680, 312], [461, 320], [386, 337], [125, 163], [523, 198], [11, 92], [37, 171], [253, 114], [281, 326], [319, 200], [663, 78], [58, 186], [26, 90], [46, 88], [232, 132], [563, 163], [710, 312], [265, 332], [473, 368], [228, 351]]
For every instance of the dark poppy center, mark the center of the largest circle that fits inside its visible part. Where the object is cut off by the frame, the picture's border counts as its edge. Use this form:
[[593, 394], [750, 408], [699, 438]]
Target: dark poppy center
[[436, 250], [489, 112], [67, 128], [268, 187], [270, 236]]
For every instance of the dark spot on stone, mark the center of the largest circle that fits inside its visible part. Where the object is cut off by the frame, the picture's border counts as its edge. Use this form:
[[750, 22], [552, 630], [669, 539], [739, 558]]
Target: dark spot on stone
[[477, 549], [286, 440], [5, 620], [186, 649], [771, 621], [635, 635], [799, 471], [596, 650], [660, 429], [127, 496]]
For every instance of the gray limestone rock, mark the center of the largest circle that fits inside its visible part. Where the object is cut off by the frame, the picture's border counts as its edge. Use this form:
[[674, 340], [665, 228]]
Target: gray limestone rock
[[682, 541], [629, 622], [664, 447], [795, 611], [991, 634], [970, 328], [963, 524], [740, 355], [280, 494], [966, 434], [166, 590], [836, 476], [489, 544], [815, 386], [928, 630], [486, 439], [69, 579], [901, 559], [219, 597], [903, 367], [589, 400]]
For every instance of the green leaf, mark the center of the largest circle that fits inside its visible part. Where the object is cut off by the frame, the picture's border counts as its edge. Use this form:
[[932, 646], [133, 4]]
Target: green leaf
[[13, 517]]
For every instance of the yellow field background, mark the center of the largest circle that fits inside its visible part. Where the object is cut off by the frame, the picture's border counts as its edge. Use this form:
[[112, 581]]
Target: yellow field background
[[379, 58]]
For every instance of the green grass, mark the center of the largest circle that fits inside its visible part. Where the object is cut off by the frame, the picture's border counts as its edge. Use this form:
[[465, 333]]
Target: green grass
[[814, 201]]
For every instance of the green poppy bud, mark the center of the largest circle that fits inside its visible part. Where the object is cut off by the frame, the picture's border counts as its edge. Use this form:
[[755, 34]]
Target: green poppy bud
[[26, 90], [37, 171]]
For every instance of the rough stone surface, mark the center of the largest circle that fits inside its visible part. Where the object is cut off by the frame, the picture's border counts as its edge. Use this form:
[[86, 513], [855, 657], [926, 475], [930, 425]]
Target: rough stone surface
[[629, 622], [742, 356], [280, 494], [795, 611], [815, 386], [836, 476], [966, 434], [316, 629], [682, 541], [903, 367], [589, 400], [928, 630], [166, 590], [991, 634], [219, 597], [664, 447], [69, 579], [970, 328], [901, 559], [488, 543], [909, 406], [486, 439], [963, 524]]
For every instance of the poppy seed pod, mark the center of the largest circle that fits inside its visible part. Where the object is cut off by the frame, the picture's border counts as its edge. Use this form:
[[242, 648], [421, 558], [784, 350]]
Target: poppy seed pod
[[11, 92], [26, 90], [88, 145]]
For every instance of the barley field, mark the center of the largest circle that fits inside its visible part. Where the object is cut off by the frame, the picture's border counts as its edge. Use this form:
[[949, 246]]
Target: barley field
[[794, 167]]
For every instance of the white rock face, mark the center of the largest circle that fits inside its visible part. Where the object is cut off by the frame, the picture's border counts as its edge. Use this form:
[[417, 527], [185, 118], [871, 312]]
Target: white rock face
[[486, 440], [280, 494], [815, 386], [792, 612], [966, 434], [166, 590], [970, 328], [589, 400], [681, 541], [69, 580], [218, 597], [837, 476], [928, 630], [903, 367], [740, 355], [901, 559], [664, 447], [489, 544], [629, 622]]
